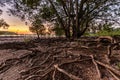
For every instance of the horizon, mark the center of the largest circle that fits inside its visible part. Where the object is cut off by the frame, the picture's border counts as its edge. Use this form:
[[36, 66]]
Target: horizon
[[16, 24]]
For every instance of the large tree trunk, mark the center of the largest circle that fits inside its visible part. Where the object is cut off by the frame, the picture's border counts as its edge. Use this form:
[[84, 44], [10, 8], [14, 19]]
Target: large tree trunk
[[37, 34], [74, 32], [80, 33], [67, 33]]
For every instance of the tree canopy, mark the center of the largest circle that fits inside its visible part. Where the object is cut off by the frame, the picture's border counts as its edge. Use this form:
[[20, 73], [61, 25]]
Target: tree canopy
[[37, 27], [74, 16]]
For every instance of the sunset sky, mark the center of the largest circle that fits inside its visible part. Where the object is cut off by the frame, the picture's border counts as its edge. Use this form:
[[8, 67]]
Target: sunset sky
[[16, 25]]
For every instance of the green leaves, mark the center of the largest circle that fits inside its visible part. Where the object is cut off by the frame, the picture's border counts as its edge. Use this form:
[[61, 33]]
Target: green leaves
[[47, 13], [58, 30], [31, 3], [59, 1]]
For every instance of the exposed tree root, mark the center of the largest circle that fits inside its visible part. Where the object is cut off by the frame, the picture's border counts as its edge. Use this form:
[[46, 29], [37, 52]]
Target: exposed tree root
[[47, 70], [7, 64], [111, 47], [117, 72], [73, 61], [4, 68], [66, 73], [43, 70], [53, 76], [51, 64], [32, 76], [45, 59], [40, 76], [109, 50], [97, 68], [113, 75]]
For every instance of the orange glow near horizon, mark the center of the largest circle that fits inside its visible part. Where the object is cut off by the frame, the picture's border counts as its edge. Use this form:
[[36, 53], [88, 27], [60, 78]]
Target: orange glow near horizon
[[19, 30], [16, 25]]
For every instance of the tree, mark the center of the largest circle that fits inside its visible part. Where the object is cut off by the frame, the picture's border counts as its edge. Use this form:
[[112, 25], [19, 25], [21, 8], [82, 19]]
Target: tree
[[37, 27], [74, 16], [3, 24]]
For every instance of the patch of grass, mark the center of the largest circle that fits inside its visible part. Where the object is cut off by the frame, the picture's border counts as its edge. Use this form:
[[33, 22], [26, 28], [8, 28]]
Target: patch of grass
[[104, 33], [118, 64], [26, 40]]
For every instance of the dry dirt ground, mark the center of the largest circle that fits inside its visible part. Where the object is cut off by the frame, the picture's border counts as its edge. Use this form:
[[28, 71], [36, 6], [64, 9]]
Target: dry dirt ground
[[59, 59]]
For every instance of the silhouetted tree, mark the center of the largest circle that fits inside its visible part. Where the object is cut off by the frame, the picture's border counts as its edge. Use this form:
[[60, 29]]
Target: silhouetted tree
[[3, 24], [37, 27]]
